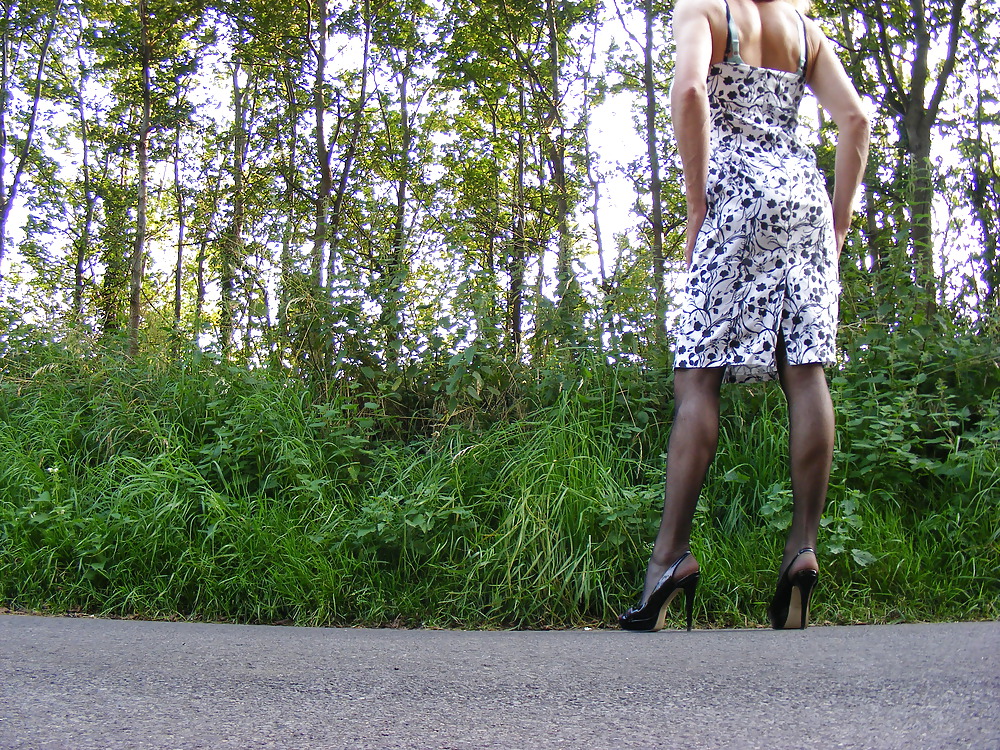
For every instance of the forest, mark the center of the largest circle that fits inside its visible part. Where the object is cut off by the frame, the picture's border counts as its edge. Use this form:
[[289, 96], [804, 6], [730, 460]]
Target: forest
[[310, 313]]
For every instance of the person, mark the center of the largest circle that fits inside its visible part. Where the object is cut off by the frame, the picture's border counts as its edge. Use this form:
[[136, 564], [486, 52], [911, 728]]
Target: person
[[763, 243]]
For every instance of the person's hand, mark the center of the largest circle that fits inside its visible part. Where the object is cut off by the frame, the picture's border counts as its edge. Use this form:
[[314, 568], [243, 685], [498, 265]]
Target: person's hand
[[695, 218], [840, 235]]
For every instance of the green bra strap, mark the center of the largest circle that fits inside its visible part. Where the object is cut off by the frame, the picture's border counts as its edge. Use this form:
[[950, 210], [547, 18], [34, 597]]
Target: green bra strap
[[732, 40]]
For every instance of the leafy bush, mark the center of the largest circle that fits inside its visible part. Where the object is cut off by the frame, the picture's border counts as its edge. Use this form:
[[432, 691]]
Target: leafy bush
[[196, 488]]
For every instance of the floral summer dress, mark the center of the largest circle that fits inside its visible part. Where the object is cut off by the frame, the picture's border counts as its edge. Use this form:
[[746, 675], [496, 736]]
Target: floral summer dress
[[765, 260]]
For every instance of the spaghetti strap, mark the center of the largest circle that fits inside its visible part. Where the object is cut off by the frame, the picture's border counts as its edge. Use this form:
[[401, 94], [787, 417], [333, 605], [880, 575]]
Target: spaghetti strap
[[732, 40], [804, 52]]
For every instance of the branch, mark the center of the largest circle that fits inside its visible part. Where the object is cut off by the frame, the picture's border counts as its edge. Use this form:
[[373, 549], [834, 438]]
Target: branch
[[626, 29], [949, 62], [887, 72]]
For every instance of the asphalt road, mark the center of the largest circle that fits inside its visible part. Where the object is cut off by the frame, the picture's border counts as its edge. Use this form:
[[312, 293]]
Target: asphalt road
[[86, 683]]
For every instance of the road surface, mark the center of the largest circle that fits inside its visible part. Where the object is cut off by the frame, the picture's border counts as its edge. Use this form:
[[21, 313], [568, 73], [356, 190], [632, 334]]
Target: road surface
[[84, 683]]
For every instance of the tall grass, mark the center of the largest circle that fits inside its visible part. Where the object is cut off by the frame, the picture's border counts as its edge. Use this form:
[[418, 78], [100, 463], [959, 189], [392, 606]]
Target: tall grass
[[210, 491]]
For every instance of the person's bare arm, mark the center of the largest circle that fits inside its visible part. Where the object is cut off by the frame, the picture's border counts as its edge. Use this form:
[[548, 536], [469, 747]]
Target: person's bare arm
[[689, 108], [837, 95]]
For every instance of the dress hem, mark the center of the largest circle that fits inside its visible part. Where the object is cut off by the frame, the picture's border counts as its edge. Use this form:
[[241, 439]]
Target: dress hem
[[743, 374]]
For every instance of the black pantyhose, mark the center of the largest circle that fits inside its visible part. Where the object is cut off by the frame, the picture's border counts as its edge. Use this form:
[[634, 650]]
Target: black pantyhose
[[810, 452], [694, 438]]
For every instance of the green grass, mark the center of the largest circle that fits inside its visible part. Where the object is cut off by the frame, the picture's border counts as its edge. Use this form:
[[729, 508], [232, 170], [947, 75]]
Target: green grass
[[216, 492]]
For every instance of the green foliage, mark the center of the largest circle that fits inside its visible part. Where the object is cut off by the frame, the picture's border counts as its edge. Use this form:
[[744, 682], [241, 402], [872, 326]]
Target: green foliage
[[204, 490]]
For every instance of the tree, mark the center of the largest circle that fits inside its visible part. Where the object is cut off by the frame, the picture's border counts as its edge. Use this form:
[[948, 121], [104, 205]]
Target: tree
[[653, 129], [17, 39], [896, 44]]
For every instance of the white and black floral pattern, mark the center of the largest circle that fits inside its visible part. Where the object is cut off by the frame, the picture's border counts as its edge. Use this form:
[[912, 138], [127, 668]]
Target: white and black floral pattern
[[765, 260]]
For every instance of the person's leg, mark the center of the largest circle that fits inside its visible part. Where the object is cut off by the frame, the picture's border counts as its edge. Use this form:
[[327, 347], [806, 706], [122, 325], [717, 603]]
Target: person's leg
[[810, 453], [694, 437]]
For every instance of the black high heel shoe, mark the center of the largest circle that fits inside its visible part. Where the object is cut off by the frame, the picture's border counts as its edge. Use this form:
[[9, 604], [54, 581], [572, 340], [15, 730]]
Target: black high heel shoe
[[651, 615], [790, 607]]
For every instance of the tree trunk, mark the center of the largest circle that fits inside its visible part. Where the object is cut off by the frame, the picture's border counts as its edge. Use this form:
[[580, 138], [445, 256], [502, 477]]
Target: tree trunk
[[181, 226], [325, 187], [337, 213], [921, 219], [985, 200], [232, 246], [595, 191], [518, 259], [906, 94], [138, 265], [201, 257], [399, 266], [287, 280], [566, 286], [983, 190], [655, 186], [83, 241], [918, 122]]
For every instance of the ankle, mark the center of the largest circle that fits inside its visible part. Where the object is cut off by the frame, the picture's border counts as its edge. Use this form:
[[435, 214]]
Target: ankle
[[798, 558]]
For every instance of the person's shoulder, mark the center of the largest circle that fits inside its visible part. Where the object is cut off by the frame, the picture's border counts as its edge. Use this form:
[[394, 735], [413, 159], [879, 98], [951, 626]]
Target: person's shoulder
[[814, 31], [694, 9], [697, 7]]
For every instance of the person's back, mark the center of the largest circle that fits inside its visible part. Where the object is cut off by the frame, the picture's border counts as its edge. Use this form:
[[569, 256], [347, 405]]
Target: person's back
[[754, 107], [770, 34]]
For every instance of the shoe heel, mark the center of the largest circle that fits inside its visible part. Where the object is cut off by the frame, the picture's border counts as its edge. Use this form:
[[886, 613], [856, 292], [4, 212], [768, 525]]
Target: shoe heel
[[790, 606], [689, 585], [805, 582]]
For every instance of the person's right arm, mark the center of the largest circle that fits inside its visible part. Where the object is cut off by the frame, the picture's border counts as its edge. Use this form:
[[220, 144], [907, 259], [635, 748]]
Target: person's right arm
[[689, 108], [837, 95]]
